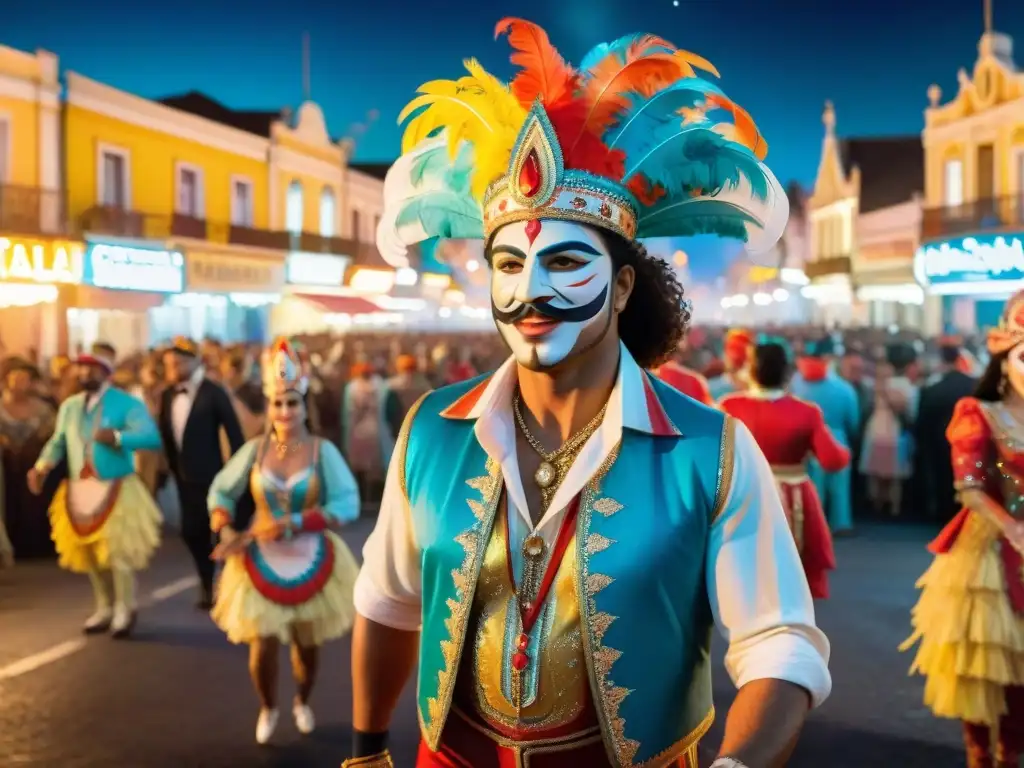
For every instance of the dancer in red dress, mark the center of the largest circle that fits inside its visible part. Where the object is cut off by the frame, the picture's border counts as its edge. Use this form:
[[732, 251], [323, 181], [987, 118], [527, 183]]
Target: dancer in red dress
[[788, 430]]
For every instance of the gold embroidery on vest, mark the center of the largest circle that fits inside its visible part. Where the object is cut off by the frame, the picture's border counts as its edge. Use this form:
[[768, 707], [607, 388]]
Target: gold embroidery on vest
[[554, 685], [464, 579]]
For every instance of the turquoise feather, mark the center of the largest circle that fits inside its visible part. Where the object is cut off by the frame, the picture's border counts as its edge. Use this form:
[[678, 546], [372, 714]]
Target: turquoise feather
[[636, 129], [443, 213], [695, 157], [437, 164], [600, 51], [696, 216]]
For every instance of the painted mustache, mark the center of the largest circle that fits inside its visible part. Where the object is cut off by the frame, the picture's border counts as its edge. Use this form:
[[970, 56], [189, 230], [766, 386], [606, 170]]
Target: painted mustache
[[571, 315]]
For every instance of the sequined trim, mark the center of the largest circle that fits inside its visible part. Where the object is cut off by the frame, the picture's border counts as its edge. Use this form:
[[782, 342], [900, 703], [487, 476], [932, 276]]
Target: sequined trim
[[402, 446], [726, 463], [473, 542], [600, 658]]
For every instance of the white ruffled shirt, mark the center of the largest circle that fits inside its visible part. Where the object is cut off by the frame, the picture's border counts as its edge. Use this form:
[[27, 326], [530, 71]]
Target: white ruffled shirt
[[755, 581]]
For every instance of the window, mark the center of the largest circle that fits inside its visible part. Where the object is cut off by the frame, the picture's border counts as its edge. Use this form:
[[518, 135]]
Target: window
[[5, 148], [356, 226], [294, 209], [327, 212], [953, 183], [241, 202], [190, 191], [114, 178]]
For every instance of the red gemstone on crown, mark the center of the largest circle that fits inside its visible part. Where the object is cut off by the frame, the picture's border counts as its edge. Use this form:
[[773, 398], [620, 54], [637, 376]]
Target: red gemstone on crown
[[524, 642], [520, 660], [578, 203], [503, 205], [529, 176]]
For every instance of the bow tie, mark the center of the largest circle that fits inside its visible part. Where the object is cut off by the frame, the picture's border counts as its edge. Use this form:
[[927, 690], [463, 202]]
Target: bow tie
[[181, 389]]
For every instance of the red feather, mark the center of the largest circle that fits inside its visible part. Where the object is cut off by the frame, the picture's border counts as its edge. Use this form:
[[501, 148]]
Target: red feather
[[642, 190], [544, 74], [590, 153]]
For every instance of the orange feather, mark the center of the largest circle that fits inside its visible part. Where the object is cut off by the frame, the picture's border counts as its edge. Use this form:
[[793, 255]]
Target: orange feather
[[643, 191], [747, 133], [544, 73], [610, 82]]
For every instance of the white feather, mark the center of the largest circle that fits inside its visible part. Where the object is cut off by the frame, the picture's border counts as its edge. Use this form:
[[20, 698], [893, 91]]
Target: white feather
[[393, 241], [772, 212]]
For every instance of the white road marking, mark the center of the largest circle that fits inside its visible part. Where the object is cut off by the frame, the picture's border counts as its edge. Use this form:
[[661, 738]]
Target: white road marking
[[41, 659], [167, 591], [68, 647]]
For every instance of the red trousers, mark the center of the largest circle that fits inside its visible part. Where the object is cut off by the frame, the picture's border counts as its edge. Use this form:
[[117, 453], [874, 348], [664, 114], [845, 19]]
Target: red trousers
[[467, 744]]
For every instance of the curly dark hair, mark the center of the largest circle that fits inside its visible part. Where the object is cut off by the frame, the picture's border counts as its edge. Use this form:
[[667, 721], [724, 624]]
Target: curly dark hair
[[657, 315], [990, 386]]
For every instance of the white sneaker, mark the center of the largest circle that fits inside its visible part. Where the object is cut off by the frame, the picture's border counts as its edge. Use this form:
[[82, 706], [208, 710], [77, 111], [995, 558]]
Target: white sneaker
[[123, 620], [266, 724], [98, 622], [304, 719]]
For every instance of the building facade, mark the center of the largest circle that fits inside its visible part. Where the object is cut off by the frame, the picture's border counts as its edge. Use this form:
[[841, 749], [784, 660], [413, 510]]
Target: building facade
[[971, 255], [193, 213], [864, 214], [39, 259]]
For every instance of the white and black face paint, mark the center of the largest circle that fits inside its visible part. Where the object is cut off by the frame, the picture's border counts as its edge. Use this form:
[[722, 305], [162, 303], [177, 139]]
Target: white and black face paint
[[551, 289]]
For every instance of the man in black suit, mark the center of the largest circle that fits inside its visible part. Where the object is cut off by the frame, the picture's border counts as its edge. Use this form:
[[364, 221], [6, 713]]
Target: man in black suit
[[935, 411], [193, 411]]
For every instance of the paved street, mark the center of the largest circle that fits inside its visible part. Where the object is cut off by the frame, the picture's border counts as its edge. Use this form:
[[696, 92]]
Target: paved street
[[178, 695]]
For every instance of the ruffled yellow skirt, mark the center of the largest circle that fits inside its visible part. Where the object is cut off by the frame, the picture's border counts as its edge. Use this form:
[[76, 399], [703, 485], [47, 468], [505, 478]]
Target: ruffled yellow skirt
[[972, 642], [245, 614], [127, 538]]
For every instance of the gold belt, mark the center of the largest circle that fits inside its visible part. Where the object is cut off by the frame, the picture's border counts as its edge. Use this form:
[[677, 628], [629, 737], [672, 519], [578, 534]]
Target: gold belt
[[794, 476], [525, 749]]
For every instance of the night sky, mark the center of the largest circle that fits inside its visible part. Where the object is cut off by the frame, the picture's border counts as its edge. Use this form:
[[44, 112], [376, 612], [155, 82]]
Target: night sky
[[780, 59]]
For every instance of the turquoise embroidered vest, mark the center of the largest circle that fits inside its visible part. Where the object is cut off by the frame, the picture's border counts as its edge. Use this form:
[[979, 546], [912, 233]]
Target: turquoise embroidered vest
[[641, 535]]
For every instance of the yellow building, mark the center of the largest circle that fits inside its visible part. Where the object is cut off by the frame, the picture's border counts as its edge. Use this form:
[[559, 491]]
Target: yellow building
[[194, 213], [864, 216], [36, 261], [972, 230]]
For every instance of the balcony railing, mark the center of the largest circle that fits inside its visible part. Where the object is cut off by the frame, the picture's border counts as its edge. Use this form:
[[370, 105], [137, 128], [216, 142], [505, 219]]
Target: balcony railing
[[987, 214], [118, 222], [32, 211], [833, 265]]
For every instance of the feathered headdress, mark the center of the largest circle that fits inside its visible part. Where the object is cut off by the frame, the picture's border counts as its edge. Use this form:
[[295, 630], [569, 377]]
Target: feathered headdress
[[632, 141], [282, 370]]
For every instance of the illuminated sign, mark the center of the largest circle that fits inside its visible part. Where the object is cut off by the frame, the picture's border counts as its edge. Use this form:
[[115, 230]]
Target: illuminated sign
[[133, 268], [39, 261], [975, 264], [316, 269], [230, 273]]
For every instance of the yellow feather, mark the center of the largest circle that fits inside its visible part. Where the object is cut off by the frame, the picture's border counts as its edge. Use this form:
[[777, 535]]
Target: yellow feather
[[477, 108]]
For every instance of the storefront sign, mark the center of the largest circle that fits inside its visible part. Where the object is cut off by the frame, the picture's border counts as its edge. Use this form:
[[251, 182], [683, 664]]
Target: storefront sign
[[321, 269], [229, 273], [976, 264], [40, 261], [134, 268]]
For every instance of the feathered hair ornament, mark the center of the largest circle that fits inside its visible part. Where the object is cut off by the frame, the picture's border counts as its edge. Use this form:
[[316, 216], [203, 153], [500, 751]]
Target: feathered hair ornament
[[282, 370], [633, 141]]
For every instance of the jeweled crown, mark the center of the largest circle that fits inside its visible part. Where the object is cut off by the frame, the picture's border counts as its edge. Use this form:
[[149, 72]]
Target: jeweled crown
[[538, 186]]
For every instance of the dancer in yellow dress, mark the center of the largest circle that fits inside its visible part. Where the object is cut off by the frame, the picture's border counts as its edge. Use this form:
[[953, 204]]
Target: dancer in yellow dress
[[289, 577], [105, 523], [970, 616]]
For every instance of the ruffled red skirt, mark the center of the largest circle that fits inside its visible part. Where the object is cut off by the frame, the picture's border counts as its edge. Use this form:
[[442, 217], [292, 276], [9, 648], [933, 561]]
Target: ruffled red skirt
[[811, 533]]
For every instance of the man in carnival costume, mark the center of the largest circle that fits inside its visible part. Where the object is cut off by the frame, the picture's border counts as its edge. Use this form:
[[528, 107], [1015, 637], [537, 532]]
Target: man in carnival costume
[[557, 539], [735, 353], [105, 523]]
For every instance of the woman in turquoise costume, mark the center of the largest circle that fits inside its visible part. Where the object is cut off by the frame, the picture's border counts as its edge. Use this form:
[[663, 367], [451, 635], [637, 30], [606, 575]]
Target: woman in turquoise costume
[[288, 578]]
